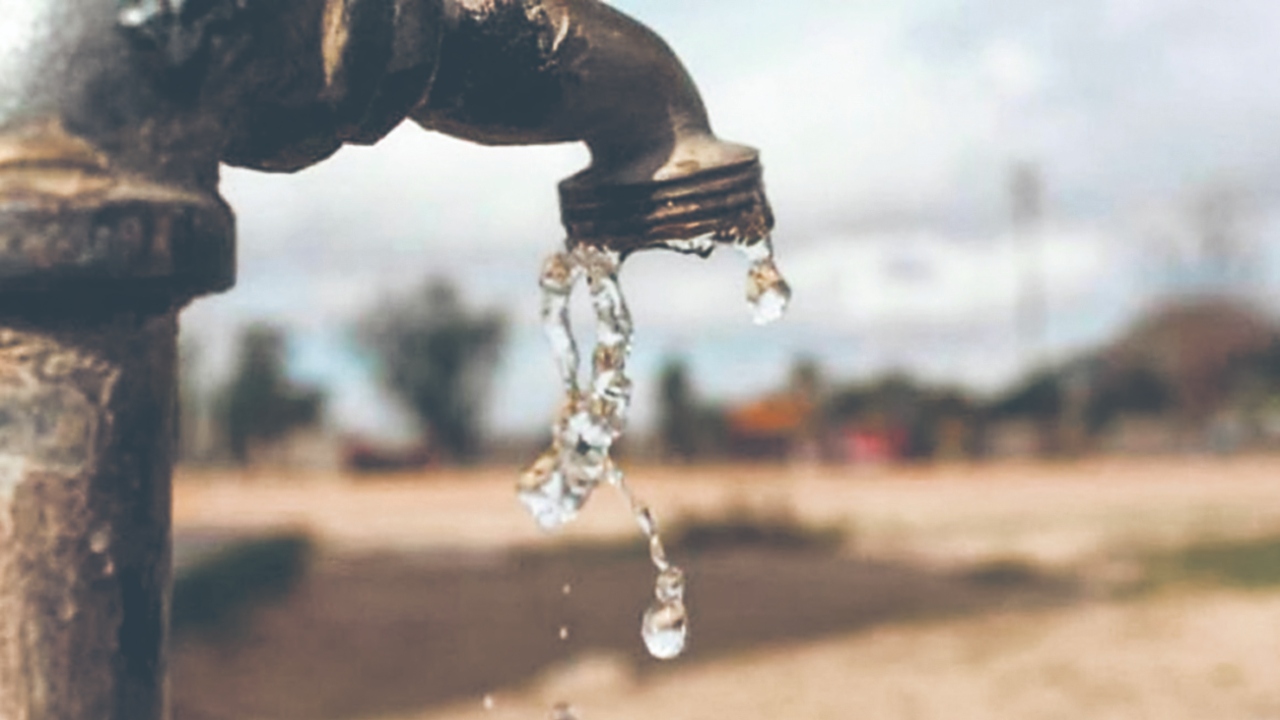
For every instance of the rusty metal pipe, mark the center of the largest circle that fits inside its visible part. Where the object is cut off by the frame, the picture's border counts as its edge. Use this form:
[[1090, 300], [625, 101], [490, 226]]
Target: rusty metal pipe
[[86, 433]]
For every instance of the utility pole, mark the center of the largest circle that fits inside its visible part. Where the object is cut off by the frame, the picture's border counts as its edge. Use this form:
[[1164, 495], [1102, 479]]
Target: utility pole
[[1026, 187]]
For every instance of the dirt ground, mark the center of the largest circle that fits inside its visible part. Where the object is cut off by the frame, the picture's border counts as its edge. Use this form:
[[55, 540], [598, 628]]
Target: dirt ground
[[1207, 656], [432, 592]]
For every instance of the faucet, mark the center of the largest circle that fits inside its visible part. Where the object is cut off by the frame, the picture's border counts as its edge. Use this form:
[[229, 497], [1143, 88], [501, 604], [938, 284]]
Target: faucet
[[115, 116]]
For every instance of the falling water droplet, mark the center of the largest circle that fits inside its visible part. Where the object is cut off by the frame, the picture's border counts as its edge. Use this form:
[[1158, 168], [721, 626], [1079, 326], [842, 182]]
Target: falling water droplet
[[768, 293], [564, 632], [670, 585], [664, 628], [566, 589], [488, 703], [547, 493], [100, 540]]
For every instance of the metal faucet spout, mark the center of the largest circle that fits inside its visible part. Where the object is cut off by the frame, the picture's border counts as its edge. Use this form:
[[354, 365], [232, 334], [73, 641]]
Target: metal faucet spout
[[544, 71]]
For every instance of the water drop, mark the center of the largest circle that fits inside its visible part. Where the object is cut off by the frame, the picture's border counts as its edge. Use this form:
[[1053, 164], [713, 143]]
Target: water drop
[[488, 703], [669, 586], [559, 273], [548, 494], [566, 589], [768, 293], [67, 610], [564, 632], [664, 628], [99, 541]]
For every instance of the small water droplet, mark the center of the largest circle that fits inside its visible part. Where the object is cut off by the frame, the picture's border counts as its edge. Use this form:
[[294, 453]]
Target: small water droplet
[[563, 711], [767, 292], [644, 518], [564, 632], [559, 273], [488, 703], [100, 540], [669, 587], [547, 494], [664, 628], [757, 249], [566, 589]]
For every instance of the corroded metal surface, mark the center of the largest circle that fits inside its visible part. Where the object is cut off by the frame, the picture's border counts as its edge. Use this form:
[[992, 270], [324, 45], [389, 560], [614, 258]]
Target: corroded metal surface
[[528, 71], [723, 204], [114, 115], [86, 432]]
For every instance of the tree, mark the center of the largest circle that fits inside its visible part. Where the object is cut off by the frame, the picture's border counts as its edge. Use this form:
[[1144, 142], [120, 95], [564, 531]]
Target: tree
[[439, 358], [678, 411], [260, 403]]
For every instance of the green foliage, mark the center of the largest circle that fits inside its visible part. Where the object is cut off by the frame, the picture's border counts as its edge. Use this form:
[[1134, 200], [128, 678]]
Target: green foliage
[[216, 593], [439, 358], [260, 403]]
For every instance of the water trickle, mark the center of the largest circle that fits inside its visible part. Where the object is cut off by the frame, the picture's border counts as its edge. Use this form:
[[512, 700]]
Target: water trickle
[[559, 482]]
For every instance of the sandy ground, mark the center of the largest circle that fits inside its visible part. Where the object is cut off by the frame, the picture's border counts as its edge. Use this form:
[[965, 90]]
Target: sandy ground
[[1192, 657], [1055, 514], [1191, 653]]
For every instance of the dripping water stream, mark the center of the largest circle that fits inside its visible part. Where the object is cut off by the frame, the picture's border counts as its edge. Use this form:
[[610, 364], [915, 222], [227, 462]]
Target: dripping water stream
[[593, 416]]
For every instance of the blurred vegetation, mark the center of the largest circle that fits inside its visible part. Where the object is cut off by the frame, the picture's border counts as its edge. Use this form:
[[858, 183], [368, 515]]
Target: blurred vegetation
[[439, 358], [775, 527], [1251, 564], [260, 404], [1004, 572], [216, 593]]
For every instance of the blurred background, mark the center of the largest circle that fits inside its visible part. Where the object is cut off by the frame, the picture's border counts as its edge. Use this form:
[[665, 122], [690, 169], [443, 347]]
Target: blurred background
[[1012, 452]]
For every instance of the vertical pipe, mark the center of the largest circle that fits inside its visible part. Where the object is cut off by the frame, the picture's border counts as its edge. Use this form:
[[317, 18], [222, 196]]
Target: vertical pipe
[[86, 439]]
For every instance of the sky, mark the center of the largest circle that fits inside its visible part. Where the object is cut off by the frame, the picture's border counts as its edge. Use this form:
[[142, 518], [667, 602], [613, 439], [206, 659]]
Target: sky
[[887, 130]]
